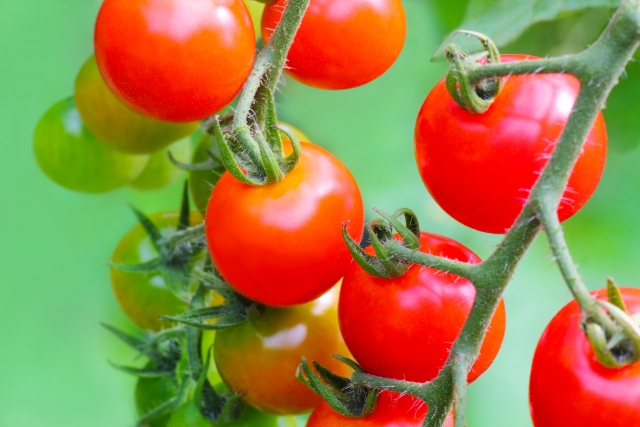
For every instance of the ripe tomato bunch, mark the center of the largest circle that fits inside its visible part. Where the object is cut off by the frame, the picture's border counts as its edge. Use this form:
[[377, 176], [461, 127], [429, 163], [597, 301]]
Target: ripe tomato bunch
[[270, 271]]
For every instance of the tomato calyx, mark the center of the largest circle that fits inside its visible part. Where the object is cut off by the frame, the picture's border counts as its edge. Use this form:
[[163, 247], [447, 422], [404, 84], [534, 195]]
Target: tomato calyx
[[235, 310], [380, 230], [477, 98], [340, 393], [254, 153], [175, 252], [621, 348]]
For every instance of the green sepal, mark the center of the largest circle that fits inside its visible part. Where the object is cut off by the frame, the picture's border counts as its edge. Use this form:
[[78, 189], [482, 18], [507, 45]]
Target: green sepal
[[339, 392], [614, 295], [207, 165], [630, 328], [163, 350], [598, 340], [273, 173], [369, 263], [185, 210], [410, 232], [215, 407], [225, 315], [141, 372], [152, 266], [287, 164], [270, 122], [150, 228], [158, 412], [214, 283], [229, 159]]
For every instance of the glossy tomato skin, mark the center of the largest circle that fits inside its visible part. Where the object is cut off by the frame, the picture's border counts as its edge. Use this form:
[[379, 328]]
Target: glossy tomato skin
[[569, 387], [393, 410], [175, 60], [342, 44], [260, 357], [281, 244], [144, 296], [69, 154], [117, 125], [480, 167], [404, 328]]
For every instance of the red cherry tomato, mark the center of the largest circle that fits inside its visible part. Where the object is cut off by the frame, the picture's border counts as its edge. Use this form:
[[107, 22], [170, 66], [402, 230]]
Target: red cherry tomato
[[404, 328], [481, 167], [281, 244], [570, 388], [342, 44], [259, 358], [175, 60], [393, 410]]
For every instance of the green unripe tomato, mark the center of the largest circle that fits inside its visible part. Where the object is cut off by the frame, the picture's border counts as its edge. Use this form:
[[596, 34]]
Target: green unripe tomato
[[201, 183], [189, 416], [74, 158], [159, 171], [151, 393], [117, 125]]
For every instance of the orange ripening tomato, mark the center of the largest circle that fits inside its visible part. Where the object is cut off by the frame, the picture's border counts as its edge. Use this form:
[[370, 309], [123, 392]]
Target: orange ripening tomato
[[259, 358]]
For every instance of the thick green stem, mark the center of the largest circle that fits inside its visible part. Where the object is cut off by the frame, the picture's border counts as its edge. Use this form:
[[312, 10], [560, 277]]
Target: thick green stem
[[269, 64]]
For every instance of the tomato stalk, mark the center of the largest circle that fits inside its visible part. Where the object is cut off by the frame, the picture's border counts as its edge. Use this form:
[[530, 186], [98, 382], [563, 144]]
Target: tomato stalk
[[598, 69], [252, 151]]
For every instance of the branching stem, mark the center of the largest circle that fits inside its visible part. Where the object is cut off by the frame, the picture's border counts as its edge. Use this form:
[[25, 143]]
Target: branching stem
[[598, 69]]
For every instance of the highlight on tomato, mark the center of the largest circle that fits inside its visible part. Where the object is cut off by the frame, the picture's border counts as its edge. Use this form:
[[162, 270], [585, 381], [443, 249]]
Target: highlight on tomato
[[74, 158], [404, 327], [480, 167], [342, 44], [569, 387], [117, 125], [145, 296], [281, 244], [170, 60], [393, 410], [259, 358]]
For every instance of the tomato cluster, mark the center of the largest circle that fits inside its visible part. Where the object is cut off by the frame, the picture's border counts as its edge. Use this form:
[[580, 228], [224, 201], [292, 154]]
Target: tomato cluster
[[234, 296]]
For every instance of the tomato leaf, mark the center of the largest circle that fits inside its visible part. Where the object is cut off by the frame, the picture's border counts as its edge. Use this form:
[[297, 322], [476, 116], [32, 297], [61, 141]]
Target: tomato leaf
[[504, 20]]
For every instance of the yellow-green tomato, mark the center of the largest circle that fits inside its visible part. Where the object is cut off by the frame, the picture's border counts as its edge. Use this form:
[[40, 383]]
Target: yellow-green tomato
[[74, 158], [117, 125], [201, 182], [159, 171], [145, 296], [259, 358]]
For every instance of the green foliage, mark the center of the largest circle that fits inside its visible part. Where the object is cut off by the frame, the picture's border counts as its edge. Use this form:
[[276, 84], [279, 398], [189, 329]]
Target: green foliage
[[505, 20]]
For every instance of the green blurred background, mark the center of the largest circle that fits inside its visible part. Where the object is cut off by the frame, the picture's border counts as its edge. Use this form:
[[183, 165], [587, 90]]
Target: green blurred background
[[55, 286]]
